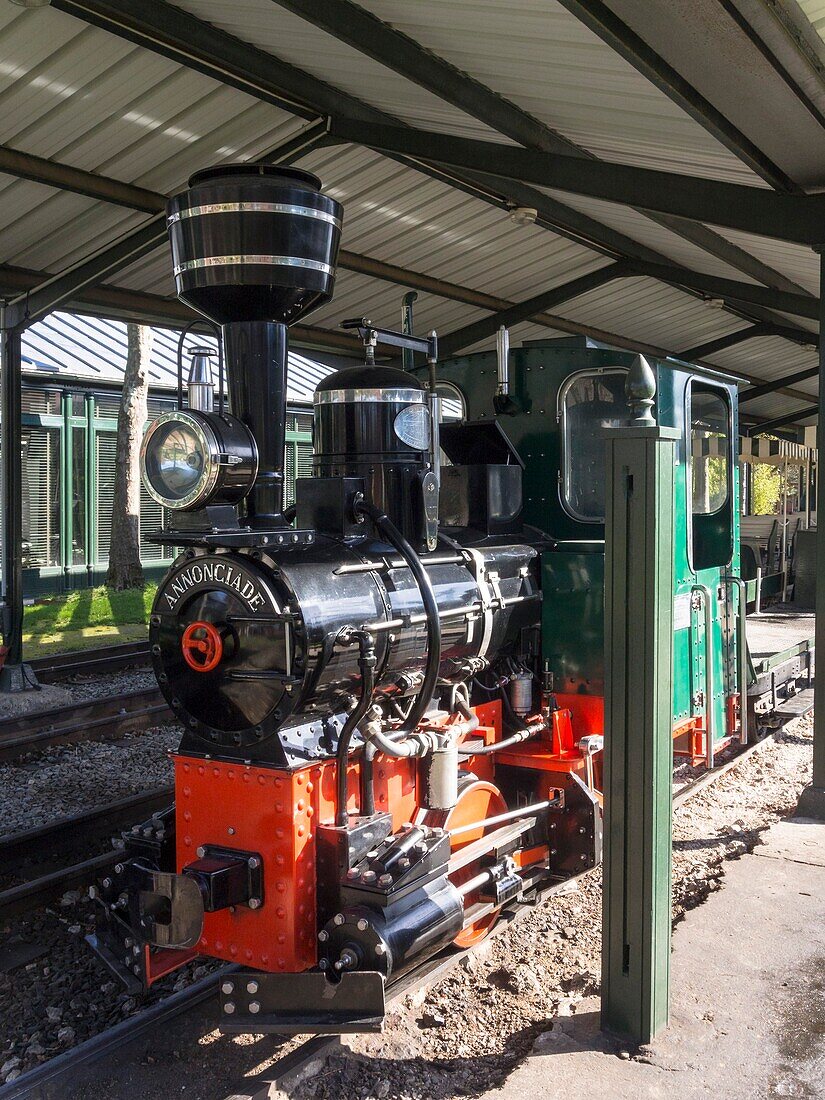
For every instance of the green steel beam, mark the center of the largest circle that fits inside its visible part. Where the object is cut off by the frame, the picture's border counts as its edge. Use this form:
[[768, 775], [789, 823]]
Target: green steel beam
[[66, 517], [196, 44], [66, 285], [91, 482], [465, 337], [796, 218], [819, 685], [638, 751], [12, 674], [621, 38], [711, 347], [389, 46], [786, 418], [778, 384]]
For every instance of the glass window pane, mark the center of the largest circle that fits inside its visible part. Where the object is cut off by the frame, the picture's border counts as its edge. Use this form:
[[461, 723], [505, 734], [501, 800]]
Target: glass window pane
[[591, 403], [452, 403], [710, 446], [106, 450], [41, 497], [79, 496]]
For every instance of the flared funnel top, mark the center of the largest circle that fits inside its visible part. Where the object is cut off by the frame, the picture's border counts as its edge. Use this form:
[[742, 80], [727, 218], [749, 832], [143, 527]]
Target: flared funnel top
[[254, 242]]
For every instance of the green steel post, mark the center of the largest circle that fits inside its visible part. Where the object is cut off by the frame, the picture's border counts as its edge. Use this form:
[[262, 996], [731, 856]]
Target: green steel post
[[91, 488], [14, 674], [639, 577], [812, 800], [66, 517]]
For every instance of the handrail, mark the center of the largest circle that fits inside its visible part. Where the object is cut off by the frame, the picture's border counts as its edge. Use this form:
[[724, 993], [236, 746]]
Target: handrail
[[742, 657], [704, 592]]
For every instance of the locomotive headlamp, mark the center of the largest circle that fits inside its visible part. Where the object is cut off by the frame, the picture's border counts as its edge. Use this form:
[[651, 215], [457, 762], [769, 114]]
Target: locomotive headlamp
[[191, 458]]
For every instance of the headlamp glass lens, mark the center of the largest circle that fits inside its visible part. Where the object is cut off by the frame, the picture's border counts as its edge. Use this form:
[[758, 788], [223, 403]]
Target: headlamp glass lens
[[175, 461]]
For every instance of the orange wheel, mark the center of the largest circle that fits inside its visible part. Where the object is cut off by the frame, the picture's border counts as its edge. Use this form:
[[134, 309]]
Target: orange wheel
[[202, 646], [477, 801]]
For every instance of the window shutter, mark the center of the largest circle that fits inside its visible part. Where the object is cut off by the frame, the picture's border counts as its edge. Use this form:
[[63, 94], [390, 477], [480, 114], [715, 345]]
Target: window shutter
[[106, 445], [41, 497]]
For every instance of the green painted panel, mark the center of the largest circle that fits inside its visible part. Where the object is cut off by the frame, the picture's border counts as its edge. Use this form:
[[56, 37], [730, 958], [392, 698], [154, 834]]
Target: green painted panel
[[573, 620]]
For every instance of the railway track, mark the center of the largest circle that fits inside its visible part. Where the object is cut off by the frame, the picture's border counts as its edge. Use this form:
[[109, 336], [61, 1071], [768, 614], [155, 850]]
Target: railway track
[[56, 1078], [89, 720], [90, 662], [39, 848]]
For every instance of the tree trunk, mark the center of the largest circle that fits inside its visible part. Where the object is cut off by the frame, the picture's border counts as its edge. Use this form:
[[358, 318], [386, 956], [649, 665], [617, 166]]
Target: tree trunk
[[124, 555]]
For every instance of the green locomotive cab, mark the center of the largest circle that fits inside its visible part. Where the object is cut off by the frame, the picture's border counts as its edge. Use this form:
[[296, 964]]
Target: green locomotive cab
[[563, 394]]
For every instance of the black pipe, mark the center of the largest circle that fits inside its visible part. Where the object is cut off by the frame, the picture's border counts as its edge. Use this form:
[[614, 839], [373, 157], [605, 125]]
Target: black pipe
[[387, 528], [366, 663], [256, 355], [524, 734]]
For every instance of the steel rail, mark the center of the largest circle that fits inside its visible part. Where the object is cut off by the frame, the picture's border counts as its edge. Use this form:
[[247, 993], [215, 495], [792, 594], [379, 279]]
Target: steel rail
[[89, 662], [62, 833], [58, 1076], [77, 829], [89, 720], [61, 1072]]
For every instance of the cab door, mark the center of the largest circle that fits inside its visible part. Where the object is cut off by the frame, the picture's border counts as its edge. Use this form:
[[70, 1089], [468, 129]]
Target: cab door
[[711, 546]]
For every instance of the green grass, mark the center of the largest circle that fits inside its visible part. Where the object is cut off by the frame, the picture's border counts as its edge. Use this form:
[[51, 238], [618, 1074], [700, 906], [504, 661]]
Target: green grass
[[85, 619]]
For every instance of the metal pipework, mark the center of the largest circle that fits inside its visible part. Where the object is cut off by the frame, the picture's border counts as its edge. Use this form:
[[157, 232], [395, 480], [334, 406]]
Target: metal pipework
[[522, 811], [503, 361], [703, 592], [742, 656]]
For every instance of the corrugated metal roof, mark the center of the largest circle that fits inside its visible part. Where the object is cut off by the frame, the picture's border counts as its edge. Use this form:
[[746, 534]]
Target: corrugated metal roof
[[87, 98], [646, 310], [533, 52], [91, 349]]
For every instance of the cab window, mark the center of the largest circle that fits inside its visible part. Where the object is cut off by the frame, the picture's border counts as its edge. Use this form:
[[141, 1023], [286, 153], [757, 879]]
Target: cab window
[[590, 402], [710, 476], [709, 440]]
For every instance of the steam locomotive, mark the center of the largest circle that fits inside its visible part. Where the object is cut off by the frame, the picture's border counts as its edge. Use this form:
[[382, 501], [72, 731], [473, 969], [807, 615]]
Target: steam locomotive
[[391, 692]]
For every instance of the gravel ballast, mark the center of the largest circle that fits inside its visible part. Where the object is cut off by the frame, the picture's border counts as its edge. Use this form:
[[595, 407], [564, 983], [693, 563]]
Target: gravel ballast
[[464, 1035], [110, 684], [70, 778], [461, 1036]]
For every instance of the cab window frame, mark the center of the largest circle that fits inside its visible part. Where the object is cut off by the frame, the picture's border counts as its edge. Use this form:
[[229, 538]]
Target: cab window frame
[[705, 529], [562, 417]]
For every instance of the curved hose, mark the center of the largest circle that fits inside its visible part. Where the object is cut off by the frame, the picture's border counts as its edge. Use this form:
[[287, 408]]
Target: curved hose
[[393, 536], [366, 663]]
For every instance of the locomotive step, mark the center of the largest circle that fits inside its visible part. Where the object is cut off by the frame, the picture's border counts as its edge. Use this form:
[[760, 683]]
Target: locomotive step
[[306, 1004], [798, 705]]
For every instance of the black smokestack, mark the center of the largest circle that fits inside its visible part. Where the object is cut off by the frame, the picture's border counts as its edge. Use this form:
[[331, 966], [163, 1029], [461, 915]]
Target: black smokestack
[[254, 248]]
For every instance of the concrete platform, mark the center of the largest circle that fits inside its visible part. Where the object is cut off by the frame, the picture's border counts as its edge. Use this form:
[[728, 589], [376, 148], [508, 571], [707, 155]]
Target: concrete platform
[[778, 628], [748, 996], [45, 697]]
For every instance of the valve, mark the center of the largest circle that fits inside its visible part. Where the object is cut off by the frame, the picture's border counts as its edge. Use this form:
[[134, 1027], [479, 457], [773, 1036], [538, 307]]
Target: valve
[[202, 646]]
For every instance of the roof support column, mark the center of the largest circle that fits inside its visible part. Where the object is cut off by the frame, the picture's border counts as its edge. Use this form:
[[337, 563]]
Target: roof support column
[[14, 675], [638, 750], [812, 800]]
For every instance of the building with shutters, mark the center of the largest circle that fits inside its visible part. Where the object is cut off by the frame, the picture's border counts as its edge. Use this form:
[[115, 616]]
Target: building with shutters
[[72, 376]]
